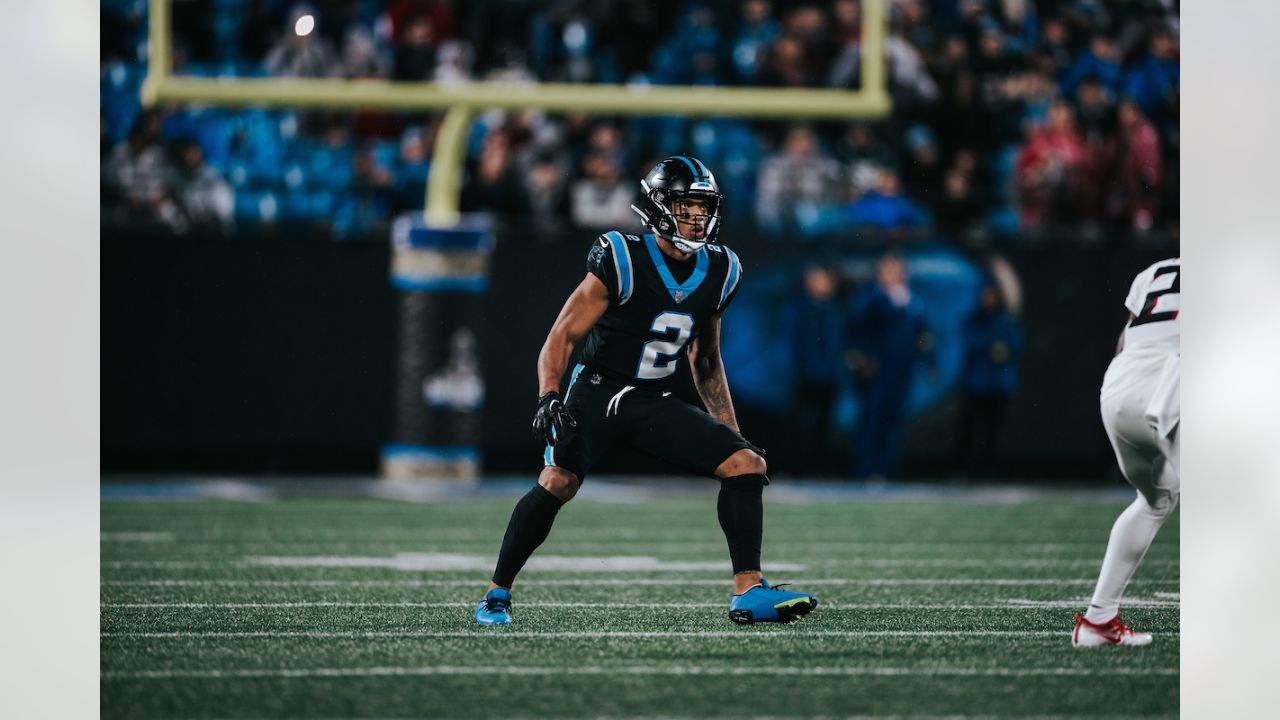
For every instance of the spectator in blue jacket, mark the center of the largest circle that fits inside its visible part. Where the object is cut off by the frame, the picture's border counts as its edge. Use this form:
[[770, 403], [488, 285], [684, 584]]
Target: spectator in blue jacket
[[887, 338], [1154, 80], [886, 208], [992, 351], [1101, 60], [813, 327]]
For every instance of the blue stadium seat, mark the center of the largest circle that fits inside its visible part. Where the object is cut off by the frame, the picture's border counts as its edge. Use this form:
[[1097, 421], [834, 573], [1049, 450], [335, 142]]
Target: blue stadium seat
[[331, 167], [386, 154], [238, 174], [294, 175], [260, 143]]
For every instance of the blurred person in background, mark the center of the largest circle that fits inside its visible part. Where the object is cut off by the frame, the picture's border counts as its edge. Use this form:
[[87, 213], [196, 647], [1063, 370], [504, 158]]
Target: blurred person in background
[[137, 175], [886, 337], [862, 156], [1133, 188], [411, 180], [917, 26], [1153, 81], [1054, 43], [960, 208], [1100, 60], [453, 62], [205, 197], [600, 198], [859, 145], [365, 207], [809, 23], [813, 327], [1035, 93], [989, 379], [1051, 171], [439, 14], [846, 16], [1095, 111], [548, 199], [415, 50], [495, 183], [792, 181], [757, 30], [785, 64], [957, 87], [361, 57], [605, 139], [922, 168], [885, 208], [300, 51]]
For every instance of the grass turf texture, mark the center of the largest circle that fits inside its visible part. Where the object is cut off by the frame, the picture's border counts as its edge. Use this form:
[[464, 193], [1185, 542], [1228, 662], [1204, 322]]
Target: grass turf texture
[[926, 608]]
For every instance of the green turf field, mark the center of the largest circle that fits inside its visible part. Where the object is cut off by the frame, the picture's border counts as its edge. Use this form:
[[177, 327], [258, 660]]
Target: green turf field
[[362, 608]]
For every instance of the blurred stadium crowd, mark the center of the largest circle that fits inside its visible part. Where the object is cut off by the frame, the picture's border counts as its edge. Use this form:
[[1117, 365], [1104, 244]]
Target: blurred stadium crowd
[[1014, 120]]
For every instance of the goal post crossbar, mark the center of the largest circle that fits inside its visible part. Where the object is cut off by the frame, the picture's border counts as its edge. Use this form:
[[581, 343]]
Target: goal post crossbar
[[462, 100]]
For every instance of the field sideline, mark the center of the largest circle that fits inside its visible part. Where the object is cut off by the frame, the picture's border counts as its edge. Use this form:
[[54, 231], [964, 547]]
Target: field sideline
[[957, 604]]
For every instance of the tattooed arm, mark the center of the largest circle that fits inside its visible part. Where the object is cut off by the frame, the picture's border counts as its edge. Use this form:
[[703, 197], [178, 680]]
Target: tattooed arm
[[708, 374]]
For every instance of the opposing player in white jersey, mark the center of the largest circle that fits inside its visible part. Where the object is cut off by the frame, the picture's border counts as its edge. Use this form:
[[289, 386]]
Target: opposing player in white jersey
[[1140, 413]]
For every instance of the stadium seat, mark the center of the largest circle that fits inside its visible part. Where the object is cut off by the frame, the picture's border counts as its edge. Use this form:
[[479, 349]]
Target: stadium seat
[[331, 167]]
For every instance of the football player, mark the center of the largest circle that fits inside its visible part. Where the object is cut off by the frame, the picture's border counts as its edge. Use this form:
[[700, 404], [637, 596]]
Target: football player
[[1140, 413], [648, 304]]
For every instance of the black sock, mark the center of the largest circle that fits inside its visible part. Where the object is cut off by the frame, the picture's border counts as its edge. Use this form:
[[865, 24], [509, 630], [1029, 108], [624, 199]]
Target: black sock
[[529, 525], [741, 510]]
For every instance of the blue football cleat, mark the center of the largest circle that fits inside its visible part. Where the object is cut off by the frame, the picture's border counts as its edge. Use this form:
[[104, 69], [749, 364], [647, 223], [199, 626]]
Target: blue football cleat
[[764, 603], [495, 609]]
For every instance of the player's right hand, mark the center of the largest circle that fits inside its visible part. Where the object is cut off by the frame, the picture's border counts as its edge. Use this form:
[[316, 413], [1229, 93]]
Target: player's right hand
[[552, 422]]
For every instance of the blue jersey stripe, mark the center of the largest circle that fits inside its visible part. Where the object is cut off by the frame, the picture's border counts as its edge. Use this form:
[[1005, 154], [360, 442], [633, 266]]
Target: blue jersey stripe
[[622, 263], [731, 278]]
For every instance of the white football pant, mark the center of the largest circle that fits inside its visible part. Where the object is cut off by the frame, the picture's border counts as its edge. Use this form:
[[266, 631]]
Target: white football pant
[[1149, 462]]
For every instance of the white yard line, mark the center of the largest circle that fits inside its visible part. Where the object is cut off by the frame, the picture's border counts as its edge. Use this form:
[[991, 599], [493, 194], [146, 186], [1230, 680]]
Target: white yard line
[[135, 537], [1002, 605], [624, 582], [499, 633], [663, 670], [593, 541], [302, 563], [1084, 601]]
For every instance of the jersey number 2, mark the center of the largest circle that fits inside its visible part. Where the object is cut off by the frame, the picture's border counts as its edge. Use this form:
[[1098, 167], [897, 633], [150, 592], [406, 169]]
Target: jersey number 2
[[658, 358], [1150, 307]]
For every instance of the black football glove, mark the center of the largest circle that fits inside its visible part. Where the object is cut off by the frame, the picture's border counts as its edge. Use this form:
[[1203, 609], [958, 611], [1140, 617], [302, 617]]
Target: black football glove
[[552, 422]]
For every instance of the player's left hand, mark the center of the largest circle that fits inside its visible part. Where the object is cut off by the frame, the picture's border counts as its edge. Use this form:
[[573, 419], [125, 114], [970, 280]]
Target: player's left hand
[[552, 422]]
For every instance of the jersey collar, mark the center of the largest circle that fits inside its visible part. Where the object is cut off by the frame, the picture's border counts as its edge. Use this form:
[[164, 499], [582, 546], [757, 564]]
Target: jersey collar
[[679, 291]]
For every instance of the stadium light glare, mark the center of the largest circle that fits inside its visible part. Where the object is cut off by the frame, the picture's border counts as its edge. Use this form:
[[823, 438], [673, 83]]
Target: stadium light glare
[[304, 26]]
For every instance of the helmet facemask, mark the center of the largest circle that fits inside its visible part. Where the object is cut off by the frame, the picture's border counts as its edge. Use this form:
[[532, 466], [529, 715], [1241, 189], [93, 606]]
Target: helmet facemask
[[667, 222]]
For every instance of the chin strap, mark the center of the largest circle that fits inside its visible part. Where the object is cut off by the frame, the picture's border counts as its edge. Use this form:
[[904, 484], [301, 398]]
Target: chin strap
[[688, 245]]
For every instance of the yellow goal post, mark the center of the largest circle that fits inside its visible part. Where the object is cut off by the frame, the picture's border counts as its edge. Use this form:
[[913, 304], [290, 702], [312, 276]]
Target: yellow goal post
[[462, 100]]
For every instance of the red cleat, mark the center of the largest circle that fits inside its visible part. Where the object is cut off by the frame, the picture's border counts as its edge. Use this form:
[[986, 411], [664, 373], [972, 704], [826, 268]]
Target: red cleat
[[1112, 632]]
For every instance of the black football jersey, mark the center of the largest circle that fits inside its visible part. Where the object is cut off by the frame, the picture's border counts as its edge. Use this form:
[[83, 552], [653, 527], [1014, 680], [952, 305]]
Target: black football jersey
[[642, 338]]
